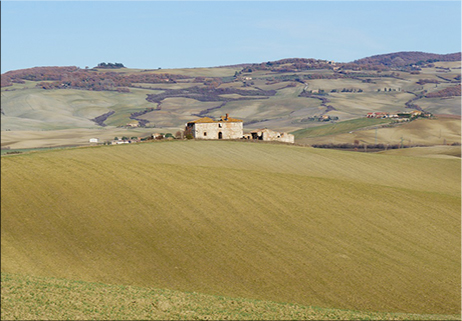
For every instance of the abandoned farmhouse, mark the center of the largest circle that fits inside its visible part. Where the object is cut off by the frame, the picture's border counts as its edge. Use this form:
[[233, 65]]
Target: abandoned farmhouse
[[231, 128]]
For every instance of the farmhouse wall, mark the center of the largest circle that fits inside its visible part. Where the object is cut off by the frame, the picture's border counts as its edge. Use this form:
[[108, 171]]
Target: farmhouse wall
[[225, 128], [218, 130], [270, 135]]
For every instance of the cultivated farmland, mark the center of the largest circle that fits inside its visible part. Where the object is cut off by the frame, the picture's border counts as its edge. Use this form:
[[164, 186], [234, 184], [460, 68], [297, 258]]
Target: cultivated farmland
[[281, 95], [288, 224]]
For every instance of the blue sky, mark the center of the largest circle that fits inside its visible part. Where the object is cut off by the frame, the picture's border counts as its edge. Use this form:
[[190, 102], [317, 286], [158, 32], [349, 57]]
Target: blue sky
[[177, 34]]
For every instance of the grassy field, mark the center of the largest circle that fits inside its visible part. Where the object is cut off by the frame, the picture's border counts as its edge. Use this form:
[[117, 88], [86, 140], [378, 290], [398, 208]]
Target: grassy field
[[339, 128], [288, 224], [67, 137], [34, 298], [439, 131], [433, 151]]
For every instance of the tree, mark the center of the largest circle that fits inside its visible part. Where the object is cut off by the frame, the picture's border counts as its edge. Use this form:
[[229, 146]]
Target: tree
[[188, 133]]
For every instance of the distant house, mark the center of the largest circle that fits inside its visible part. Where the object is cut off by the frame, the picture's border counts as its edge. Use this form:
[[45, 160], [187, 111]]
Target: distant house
[[118, 142], [157, 136], [133, 124], [377, 114], [93, 140], [207, 128], [271, 135]]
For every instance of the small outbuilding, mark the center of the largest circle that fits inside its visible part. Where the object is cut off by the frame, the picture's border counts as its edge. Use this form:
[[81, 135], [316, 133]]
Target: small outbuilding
[[271, 135]]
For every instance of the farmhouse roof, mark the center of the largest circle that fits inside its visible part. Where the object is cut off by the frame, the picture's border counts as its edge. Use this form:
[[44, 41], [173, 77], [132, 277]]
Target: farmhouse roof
[[229, 119], [203, 120], [225, 119]]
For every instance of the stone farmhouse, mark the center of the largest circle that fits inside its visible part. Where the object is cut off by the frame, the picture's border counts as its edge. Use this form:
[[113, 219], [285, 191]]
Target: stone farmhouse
[[224, 128], [231, 128]]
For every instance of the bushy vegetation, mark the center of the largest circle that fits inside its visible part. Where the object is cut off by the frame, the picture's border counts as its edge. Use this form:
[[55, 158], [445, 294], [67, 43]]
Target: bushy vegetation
[[76, 78], [110, 65], [407, 58], [210, 94], [362, 147], [428, 81], [100, 119], [453, 91]]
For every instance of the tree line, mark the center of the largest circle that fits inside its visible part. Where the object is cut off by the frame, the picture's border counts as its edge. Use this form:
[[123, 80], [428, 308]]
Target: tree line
[[76, 78], [447, 92]]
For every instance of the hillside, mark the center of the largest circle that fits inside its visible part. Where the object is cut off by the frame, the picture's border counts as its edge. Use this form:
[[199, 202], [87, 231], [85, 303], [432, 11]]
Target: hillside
[[408, 58], [289, 224], [76, 300], [282, 95], [420, 132]]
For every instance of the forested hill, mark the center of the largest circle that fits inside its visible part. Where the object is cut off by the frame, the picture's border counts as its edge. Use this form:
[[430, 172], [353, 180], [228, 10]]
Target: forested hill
[[407, 57]]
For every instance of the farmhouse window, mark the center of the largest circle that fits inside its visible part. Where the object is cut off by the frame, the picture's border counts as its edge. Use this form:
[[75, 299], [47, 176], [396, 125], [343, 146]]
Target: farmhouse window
[[220, 126], [205, 133]]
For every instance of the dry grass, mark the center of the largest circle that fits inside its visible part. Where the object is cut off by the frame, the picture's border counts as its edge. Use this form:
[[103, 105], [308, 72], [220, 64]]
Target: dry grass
[[268, 222], [66, 137], [339, 128], [433, 151], [418, 132], [34, 298]]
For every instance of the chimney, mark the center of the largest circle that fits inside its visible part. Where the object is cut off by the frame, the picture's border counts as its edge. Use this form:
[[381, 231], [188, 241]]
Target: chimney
[[227, 115]]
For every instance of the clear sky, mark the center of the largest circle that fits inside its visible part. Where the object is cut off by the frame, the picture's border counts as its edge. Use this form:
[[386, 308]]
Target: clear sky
[[176, 34]]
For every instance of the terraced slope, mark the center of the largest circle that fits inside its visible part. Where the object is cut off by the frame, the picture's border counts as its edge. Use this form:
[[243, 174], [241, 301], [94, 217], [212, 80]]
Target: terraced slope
[[261, 221]]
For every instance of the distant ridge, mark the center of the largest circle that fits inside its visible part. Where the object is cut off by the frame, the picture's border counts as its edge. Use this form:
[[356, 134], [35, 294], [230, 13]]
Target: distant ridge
[[394, 59], [407, 57]]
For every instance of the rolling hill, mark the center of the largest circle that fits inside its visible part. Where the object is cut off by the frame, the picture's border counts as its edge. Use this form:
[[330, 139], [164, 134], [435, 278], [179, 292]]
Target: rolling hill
[[281, 95], [289, 224]]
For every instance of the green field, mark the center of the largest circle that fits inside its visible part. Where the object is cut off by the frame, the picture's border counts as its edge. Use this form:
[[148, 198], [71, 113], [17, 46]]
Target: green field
[[288, 224]]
